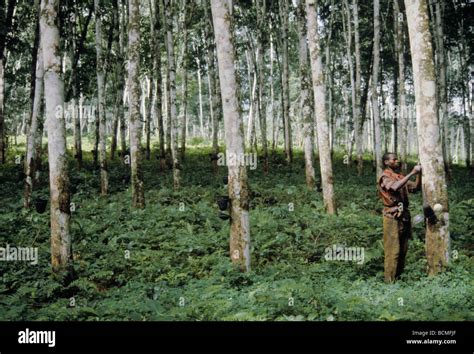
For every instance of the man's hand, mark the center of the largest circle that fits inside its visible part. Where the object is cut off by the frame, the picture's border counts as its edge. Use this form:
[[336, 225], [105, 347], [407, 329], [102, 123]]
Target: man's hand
[[416, 170]]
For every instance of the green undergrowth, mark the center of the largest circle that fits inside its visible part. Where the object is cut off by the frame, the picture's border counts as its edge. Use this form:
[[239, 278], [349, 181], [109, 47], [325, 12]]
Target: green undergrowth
[[170, 261]]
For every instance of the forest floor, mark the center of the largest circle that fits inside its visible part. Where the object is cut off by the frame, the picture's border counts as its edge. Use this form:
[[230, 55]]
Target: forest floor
[[170, 261]]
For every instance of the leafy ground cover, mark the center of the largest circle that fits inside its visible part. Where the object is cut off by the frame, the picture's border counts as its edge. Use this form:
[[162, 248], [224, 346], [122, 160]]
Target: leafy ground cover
[[170, 261]]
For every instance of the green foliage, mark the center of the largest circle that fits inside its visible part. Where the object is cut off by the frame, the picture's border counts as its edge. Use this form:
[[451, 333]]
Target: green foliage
[[170, 261]]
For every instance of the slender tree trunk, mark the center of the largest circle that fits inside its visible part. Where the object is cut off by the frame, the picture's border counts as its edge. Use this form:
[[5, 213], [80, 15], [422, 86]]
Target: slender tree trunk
[[104, 183], [213, 85], [402, 107], [118, 78], [327, 180], [201, 115], [238, 188], [272, 94], [253, 98], [443, 95], [61, 246], [6, 18], [138, 190], [352, 79], [172, 115], [375, 97], [262, 107], [431, 154], [358, 116], [184, 77], [35, 131], [284, 11], [305, 98], [155, 38]]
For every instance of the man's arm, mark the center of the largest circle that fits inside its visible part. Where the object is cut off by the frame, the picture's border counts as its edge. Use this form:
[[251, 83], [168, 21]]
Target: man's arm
[[396, 186], [415, 186]]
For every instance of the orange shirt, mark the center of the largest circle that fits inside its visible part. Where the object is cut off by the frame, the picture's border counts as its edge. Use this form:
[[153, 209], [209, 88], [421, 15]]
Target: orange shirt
[[392, 199]]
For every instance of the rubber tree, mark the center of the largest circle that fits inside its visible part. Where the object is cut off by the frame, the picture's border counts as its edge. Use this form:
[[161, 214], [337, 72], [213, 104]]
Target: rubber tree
[[61, 247], [429, 138], [233, 126]]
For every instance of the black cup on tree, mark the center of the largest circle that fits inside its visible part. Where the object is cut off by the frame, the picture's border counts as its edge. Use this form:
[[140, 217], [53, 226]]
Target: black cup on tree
[[40, 205], [225, 180], [430, 215], [223, 203]]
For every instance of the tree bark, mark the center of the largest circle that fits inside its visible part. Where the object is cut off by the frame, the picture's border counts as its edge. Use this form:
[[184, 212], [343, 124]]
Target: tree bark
[[172, 114], [213, 85], [6, 18], [104, 183], [443, 95], [138, 190], [61, 246], [402, 107], [348, 36], [431, 154], [35, 131], [375, 98], [284, 11], [184, 82], [358, 115], [319, 89], [157, 81], [262, 107], [305, 98], [238, 188]]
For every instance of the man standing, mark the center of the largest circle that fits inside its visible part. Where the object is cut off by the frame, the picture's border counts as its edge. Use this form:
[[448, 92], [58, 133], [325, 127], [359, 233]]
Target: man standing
[[393, 188]]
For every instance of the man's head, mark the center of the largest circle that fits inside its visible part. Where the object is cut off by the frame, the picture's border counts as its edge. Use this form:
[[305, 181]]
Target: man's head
[[390, 159]]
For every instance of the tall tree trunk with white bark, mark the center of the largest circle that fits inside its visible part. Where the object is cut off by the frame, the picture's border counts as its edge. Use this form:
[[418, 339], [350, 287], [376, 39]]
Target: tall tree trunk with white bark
[[319, 89], [402, 106], [104, 183], [238, 186], [305, 98], [61, 247], [172, 114], [138, 190], [35, 131], [430, 149], [284, 13], [375, 97]]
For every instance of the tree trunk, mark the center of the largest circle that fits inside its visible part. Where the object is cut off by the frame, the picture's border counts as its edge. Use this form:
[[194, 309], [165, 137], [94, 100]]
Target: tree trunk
[[213, 86], [305, 98], [172, 114], [252, 79], [238, 188], [201, 115], [35, 130], [155, 39], [375, 97], [6, 18], [431, 154], [443, 95], [327, 181], [61, 247], [262, 108], [402, 107], [352, 79], [184, 77], [284, 11], [138, 190], [358, 116], [104, 184], [118, 78]]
